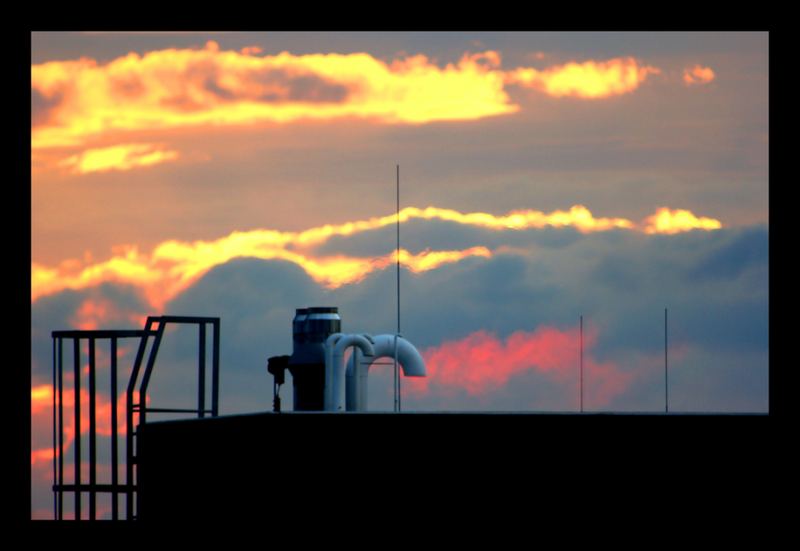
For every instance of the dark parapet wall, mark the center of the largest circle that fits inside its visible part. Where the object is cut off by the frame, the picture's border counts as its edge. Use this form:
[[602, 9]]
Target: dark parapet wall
[[261, 465], [276, 468]]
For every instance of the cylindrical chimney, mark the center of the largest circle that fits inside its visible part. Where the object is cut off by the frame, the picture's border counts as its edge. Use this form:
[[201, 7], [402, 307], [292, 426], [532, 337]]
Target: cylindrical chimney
[[310, 328]]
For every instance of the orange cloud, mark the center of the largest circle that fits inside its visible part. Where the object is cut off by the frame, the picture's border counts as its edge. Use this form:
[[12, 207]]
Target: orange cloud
[[41, 399], [481, 363], [668, 221], [96, 313], [127, 266], [42, 420], [587, 80], [698, 75], [118, 157], [175, 265], [76, 100]]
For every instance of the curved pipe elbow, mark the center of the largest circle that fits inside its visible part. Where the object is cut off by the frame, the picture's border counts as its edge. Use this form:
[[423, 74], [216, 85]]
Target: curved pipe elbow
[[335, 370], [409, 358]]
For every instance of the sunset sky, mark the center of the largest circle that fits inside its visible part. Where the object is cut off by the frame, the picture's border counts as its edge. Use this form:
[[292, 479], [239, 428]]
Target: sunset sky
[[544, 176]]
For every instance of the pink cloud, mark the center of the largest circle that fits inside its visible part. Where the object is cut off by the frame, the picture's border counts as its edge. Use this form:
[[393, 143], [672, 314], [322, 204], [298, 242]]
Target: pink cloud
[[481, 363]]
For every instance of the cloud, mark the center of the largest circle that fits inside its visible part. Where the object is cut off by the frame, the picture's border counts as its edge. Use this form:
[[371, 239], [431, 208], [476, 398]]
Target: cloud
[[174, 265], [118, 157], [587, 80], [42, 106], [698, 75], [481, 362], [714, 283], [735, 255], [176, 88], [95, 313], [79, 100], [498, 333], [675, 221], [42, 420], [107, 305]]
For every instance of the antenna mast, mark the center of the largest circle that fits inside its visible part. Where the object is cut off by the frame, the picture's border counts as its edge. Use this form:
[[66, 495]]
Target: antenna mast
[[397, 402], [666, 367], [581, 363]]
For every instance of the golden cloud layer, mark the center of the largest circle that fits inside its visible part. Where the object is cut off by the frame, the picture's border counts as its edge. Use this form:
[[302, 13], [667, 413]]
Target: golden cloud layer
[[76, 100], [175, 265], [587, 80], [675, 221], [118, 157]]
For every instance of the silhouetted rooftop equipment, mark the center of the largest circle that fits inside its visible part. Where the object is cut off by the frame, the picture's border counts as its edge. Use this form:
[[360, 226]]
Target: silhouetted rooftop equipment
[[136, 409], [321, 382]]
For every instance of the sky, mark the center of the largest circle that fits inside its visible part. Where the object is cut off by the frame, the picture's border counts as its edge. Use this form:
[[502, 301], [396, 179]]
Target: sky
[[544, 177]]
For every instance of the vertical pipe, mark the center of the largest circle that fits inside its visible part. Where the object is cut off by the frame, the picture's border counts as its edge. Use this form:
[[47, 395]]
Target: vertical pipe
[[60, 427], [55, 433], [581, 364], [92, 433], [666, 366], [215, 370], [114, 448], [76, 442], [201, 374]]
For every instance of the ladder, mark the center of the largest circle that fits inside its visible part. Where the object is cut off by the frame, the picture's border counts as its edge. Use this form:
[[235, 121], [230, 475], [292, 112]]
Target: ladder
[[135, 405]]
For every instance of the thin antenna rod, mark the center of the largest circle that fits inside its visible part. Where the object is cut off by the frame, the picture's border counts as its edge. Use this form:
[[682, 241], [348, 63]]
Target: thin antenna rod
[[396, 372], [666, 366], [581, 364]]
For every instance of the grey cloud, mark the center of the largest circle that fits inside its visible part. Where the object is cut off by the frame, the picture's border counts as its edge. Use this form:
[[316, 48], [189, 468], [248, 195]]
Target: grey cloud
[[211, 84], [250, 296], [308, 87], [619, 281], [127, 85], [312, 88], [42, 106], [728, 261], [510, 293], [282, 86], [56, 312]]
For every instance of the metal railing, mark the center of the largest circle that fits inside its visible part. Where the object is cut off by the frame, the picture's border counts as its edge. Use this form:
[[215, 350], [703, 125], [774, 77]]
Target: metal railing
[[135, 414]]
